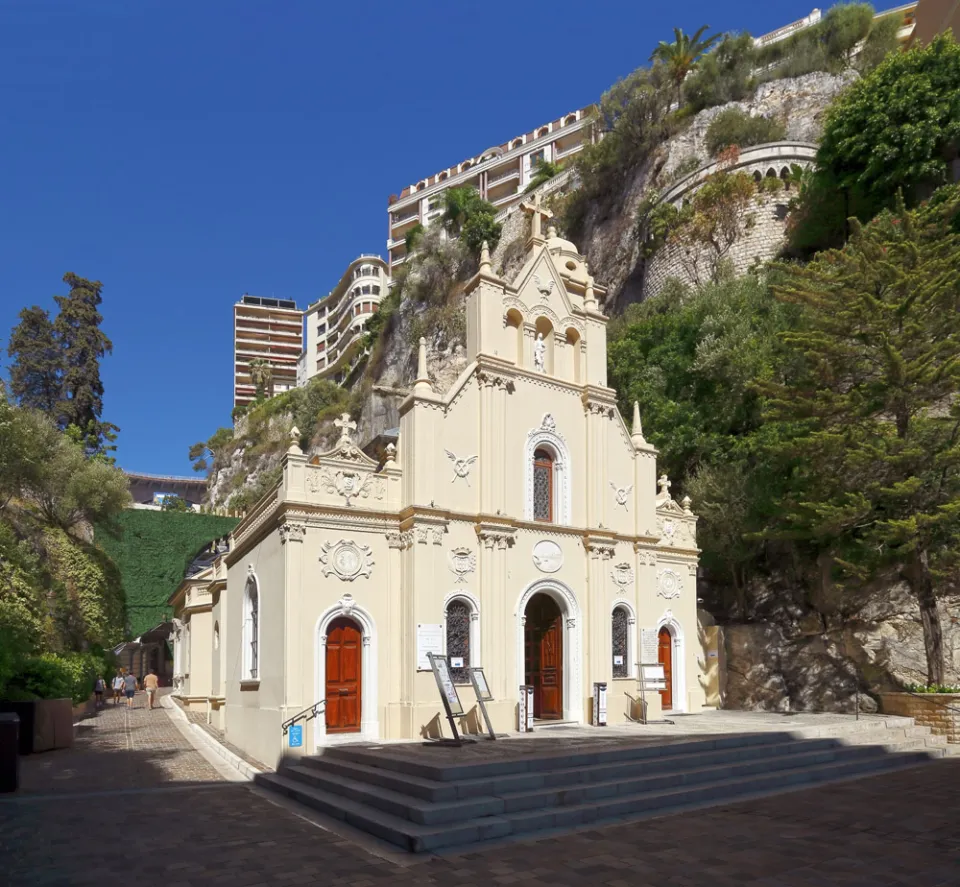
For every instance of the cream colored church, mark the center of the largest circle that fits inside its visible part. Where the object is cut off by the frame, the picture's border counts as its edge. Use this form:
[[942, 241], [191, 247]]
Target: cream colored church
[[518, 526]]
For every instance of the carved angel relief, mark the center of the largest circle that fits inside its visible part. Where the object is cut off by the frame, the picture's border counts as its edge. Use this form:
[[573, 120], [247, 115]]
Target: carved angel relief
[[543, 288], [621, 495], [461, 467], [346, 560]]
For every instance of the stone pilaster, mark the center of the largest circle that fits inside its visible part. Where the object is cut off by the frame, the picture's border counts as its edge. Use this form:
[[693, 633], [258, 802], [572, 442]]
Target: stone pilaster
[[297, 680], [496, 608], [600, 551]]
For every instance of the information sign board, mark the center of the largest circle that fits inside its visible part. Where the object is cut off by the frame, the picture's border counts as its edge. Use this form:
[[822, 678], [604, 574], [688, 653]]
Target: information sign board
[[295, 735], [649, 645], [429, 640], [480, 684], [445, 683], [653, 677]]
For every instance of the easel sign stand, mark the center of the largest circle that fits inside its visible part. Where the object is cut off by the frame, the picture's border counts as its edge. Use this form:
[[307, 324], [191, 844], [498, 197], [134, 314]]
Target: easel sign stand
[[449, 696], [652, 678], [482, 689]]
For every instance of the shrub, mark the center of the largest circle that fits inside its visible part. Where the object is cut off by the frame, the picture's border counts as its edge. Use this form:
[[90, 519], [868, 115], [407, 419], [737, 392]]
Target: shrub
[[770, 185], [735, 127], [724, 75], [56, 676]]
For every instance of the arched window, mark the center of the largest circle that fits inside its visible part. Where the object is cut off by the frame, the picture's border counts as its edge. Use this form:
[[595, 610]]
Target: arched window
[[543, 485], [621, 642], [251, 631], [216, 635], [542, 131], [459, 618], [514, 321], [573, 340], [572, 118]]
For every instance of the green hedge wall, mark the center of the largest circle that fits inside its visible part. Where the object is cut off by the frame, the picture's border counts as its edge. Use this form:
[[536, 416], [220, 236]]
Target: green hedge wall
[[152, 550]]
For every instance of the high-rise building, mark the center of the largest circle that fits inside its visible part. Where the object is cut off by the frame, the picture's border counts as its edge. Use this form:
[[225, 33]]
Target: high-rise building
[[270, 330], [500, 174], [335, 323]]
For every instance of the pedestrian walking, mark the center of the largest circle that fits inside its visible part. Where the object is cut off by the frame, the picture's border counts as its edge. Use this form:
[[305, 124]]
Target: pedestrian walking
[[150, 684], [117, 686], [129, 689], [98, 687]]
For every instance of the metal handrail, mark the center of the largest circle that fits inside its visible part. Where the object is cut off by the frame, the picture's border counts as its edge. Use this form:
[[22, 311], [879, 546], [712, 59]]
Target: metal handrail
[[308, 714]]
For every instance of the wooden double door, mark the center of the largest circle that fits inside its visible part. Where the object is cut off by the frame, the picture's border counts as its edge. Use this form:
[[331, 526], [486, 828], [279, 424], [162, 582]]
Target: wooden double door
[[543, 655], [343, 676]]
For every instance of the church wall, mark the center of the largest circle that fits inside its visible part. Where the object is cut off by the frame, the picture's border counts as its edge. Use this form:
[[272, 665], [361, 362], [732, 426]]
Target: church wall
[[253, 709], [216, 657]]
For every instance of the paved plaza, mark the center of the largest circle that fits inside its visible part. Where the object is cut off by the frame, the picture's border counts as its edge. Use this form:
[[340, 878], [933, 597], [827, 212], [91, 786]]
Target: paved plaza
[[134, 803]]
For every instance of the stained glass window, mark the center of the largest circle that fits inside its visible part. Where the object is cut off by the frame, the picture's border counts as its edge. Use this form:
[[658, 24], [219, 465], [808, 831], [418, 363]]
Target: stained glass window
[[458, 640], [542, 486], [620, 645]]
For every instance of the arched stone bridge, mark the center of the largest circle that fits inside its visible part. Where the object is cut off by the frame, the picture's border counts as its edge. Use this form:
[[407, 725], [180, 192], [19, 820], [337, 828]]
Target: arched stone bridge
[[770, 159]]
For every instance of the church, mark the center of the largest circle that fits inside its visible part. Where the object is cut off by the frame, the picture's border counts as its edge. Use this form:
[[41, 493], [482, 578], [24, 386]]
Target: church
[[518, 526]]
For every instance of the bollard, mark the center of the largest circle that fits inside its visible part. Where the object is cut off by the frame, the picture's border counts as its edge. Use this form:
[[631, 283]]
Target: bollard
[[9, 752]]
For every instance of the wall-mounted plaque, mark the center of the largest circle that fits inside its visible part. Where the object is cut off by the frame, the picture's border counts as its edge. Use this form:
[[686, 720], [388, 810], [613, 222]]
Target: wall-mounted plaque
[[649, 646], [429, 640], [456, 662], [618, 660]]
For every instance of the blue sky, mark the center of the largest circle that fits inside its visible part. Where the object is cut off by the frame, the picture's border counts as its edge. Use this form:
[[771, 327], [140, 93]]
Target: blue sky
[[187, 152]]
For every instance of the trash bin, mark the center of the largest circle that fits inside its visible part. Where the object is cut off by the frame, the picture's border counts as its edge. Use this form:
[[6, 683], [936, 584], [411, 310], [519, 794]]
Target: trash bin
[[9, 752]]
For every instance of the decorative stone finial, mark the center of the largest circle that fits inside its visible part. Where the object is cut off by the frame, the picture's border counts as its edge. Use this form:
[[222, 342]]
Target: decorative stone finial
[[485, 266], [422, 383], [637, 427], [685, 504], [551, 232], [664, 486], [294, 448], [391, 452], [589, 297]]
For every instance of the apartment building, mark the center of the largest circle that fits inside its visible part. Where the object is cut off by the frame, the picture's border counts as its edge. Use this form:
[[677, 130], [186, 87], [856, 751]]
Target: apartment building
[[335, 324], [500, 174], [269, 330], [908, 11]]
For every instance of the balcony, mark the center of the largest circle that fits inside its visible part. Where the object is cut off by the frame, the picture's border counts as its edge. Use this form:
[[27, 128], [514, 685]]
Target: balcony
[[506, 198], [503, 175]]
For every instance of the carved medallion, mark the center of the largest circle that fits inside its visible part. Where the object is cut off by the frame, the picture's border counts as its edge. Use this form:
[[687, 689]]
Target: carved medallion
[[668, 584], [622, 575], [349, 484], [462, 562], [547, 556], [346, 560]]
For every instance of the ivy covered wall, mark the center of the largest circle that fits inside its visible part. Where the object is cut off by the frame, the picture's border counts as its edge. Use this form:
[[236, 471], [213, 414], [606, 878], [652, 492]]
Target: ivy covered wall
[[152, 550]]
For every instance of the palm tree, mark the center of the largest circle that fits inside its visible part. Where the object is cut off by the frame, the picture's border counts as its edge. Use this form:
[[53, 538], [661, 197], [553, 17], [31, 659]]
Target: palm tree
[[681, 56], [545, 170]]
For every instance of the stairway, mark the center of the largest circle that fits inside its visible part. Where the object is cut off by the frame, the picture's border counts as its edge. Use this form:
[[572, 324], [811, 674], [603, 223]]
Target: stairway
[[421, 805]]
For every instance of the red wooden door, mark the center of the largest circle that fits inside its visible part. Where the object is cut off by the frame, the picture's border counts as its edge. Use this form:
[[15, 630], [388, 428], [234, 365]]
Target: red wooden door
[[665, 658], [543, 647], [344, 646]]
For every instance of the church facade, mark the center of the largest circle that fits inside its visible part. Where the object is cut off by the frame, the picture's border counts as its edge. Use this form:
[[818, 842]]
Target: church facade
[[519, 526]]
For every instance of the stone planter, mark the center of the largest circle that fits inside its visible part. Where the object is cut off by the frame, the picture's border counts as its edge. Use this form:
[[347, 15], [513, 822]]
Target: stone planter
[[938, 711], [45, 724]]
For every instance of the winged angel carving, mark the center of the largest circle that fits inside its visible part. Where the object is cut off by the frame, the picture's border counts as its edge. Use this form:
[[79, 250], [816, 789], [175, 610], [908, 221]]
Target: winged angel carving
[[543, 288], [461, 467]]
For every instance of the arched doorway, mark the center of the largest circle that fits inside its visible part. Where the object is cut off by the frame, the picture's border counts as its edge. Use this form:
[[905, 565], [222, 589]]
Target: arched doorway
[[543, 655], [343, 676], [665, 658]]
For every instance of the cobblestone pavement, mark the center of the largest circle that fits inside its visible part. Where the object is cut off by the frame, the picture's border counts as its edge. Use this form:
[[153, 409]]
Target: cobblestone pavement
[[120, 748], [893, 829]]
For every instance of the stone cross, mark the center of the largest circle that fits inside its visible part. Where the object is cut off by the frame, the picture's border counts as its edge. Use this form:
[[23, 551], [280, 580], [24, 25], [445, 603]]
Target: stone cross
[[345, 426], [664, 484], [538, 214]]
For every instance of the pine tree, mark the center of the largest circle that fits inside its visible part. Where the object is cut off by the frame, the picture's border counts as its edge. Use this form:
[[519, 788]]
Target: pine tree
[[870, 426], [36, 374], [83, 345]]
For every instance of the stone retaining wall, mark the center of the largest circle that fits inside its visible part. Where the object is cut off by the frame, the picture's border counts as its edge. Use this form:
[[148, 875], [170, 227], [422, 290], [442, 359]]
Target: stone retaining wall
[[938, 711]]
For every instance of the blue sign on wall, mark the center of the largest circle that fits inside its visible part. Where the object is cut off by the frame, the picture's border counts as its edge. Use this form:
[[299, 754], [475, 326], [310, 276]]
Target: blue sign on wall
[[295, 733]]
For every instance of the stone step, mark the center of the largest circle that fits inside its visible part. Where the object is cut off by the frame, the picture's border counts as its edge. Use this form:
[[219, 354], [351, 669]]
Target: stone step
[[419, 837], [435, 790], [550, 760]]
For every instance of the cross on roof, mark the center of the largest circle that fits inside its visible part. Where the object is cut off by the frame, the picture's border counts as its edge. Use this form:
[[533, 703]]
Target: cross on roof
[[538, 213], [346, 426], [664, 484]]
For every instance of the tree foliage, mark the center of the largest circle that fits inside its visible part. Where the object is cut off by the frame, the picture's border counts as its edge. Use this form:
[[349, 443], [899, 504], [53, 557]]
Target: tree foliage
[[896, 129], [681, 57], [733, 127], [36, 374], [870, 422], [469, 217]]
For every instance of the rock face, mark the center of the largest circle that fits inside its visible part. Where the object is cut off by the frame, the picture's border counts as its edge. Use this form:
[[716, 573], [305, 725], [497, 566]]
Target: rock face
[[611, 243], [794, 656]]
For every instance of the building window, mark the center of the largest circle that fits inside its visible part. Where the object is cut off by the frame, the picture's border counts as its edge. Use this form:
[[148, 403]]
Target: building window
[[376, 290], [251, 633], [321, 329], [366, 290], [536, 158], [544, 130], [542, 486], [321, 347], [621, 645], [216, 635], [459, 617]]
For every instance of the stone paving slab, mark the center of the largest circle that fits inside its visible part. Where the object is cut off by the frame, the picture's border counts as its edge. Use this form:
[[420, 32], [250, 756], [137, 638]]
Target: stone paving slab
[[897, 829], [119, 748]]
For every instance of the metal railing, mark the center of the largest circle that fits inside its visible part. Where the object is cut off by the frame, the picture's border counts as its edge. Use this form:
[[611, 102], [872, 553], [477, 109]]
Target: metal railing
[[308, 714]]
